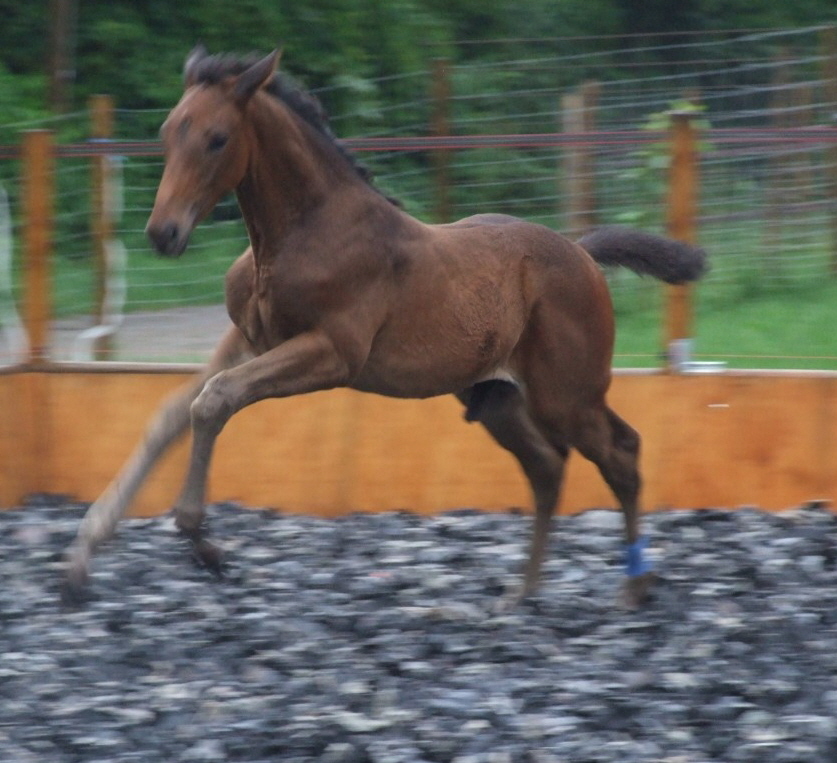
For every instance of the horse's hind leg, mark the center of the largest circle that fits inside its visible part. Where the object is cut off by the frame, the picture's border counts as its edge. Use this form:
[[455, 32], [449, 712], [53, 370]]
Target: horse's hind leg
[[168, 425], [502, 410], [613, 445]]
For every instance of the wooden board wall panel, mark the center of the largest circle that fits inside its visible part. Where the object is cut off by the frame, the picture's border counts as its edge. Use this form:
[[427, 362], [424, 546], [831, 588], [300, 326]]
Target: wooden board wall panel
[[9, 468], [733, 440], [101, 419], [288, 454], [826, 438], [708, 440], [15, 457], [418, 455], [26, 431]]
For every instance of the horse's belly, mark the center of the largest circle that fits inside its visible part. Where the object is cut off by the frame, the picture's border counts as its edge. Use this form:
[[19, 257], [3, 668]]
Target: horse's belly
[[435, 364], [410, 385]]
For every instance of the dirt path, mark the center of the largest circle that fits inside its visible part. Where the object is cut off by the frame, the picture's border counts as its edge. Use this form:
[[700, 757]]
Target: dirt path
[[177, 335]]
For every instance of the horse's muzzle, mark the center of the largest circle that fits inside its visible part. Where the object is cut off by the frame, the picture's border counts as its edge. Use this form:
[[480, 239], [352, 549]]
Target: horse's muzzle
[[168, 238]]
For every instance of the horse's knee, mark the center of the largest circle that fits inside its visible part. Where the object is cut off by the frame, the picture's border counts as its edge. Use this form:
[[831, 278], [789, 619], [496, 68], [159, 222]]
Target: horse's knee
[[211, 408]]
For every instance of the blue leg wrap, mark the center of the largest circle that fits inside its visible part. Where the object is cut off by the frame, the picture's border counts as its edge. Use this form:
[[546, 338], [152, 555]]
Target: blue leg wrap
[[635, 562]]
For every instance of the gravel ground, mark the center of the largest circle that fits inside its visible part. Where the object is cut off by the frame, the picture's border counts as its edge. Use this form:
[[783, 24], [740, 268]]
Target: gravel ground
[[372, 639]]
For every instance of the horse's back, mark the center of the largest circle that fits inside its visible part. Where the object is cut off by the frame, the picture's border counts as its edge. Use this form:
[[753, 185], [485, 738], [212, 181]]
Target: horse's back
[[490, 218], [551, 261], [490, 291], [569, 313]]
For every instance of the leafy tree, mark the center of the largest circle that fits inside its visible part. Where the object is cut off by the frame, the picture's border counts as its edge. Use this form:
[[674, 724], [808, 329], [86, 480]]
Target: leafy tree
[[134, 48]]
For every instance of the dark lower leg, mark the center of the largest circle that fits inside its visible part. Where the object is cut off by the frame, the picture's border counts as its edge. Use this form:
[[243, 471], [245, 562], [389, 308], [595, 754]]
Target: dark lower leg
[[546, 485], [614, 447], [537, 549], [504, 415], [625, 483]]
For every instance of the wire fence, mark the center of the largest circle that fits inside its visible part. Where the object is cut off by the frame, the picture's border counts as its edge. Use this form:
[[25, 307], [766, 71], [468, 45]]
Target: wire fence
[[568, 139]]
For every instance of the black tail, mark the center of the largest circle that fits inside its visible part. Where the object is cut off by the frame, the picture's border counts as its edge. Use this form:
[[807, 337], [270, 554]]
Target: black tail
[[664, 258]]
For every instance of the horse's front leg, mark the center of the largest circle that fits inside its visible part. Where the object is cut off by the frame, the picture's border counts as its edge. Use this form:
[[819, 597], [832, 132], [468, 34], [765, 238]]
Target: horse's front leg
[[169, 424], [306, 363]]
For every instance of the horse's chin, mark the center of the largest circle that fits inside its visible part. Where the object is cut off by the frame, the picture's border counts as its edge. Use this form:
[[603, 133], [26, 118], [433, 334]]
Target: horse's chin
[[172, 252]]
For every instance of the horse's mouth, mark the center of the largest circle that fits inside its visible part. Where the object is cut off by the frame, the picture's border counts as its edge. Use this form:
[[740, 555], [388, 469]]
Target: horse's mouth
[[169, 239]]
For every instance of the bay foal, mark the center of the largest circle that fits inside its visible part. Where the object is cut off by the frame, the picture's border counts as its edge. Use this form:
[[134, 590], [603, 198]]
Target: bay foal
[[341, 288]]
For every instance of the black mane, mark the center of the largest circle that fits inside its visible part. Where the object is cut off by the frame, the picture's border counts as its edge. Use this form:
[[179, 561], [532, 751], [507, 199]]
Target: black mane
[[212, 69]]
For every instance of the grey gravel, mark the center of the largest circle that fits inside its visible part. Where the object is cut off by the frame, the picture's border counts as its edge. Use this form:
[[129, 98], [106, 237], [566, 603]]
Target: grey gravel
[[374, 639]]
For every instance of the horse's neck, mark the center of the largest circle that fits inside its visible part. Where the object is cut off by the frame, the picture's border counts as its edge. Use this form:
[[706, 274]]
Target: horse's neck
[[290, 174]]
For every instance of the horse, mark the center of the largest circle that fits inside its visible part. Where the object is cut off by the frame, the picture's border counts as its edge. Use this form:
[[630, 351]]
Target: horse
[[340, 287]]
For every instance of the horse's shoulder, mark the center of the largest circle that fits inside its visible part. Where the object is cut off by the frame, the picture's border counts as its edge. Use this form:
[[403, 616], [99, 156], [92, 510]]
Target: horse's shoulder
[[239, 281], [243, 266]]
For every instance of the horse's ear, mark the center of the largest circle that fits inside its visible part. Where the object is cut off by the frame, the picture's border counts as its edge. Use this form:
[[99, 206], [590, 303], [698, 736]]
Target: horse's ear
[[198, 53], [250, 80]]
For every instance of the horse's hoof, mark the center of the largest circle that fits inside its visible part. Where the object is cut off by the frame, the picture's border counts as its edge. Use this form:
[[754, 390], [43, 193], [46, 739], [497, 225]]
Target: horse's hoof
[[505, 604], [208, 555], [74, 591], [510, 600], [637, 590]]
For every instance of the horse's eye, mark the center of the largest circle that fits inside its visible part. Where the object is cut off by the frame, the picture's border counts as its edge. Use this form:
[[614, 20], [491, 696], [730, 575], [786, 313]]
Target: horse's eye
[[216, 142]]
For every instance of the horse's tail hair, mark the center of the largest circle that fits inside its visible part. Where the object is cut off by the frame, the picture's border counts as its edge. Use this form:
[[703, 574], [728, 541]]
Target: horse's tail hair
[[645, 253]]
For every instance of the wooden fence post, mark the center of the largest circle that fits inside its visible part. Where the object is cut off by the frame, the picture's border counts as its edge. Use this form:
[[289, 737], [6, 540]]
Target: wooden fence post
[[440, 127], [38, 190], [682, 206], [101, 117], [579, 116]]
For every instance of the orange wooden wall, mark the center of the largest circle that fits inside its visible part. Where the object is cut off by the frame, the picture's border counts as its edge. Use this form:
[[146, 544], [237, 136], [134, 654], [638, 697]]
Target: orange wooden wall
[[723, 440]]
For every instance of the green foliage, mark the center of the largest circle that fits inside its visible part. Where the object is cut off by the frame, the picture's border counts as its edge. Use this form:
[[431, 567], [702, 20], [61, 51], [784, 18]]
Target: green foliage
[[22, 102], [133, 49]]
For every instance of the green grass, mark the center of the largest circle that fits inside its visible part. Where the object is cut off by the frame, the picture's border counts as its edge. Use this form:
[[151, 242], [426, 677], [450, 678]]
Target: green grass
[[794, 328], [196, 278], [778, 328]]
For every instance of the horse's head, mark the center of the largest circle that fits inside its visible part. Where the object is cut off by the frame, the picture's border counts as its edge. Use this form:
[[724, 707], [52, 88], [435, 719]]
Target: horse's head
[[206, 141]]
